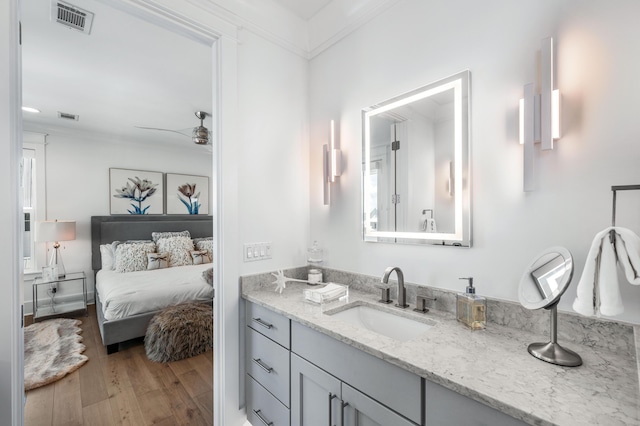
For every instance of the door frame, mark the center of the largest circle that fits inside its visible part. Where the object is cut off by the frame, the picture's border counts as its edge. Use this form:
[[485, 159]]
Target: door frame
[[222, 37]]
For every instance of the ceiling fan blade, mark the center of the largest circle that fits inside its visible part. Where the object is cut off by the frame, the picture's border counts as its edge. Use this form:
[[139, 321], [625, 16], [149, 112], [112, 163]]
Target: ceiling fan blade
[[162, 130]]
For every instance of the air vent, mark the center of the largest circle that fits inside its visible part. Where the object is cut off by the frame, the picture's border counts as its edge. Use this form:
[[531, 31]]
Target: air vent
[[67, 116], [71, 16]]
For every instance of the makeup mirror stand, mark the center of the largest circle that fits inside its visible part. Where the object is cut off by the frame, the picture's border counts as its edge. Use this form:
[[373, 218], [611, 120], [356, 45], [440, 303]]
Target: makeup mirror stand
[[551, 351]]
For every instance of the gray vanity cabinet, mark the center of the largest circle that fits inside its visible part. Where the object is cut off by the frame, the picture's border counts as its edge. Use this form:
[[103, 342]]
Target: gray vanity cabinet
[[360, 410], [388, 388], [315, 395], [445, 407], [319, 399], [299, 376], [267, 338]]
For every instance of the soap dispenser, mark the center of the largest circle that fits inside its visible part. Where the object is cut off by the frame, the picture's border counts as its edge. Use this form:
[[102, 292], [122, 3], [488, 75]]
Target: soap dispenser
[[471, 309]]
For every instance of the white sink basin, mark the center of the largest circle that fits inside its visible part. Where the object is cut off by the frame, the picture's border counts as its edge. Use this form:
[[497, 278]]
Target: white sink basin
[[382, 322]]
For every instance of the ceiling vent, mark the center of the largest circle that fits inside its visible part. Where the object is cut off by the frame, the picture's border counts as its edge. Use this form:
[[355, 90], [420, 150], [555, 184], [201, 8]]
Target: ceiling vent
[[71, 16], [67, 116]]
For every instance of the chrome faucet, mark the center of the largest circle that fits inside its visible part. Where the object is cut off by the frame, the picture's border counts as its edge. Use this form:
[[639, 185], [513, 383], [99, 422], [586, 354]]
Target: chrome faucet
[[402, 292]]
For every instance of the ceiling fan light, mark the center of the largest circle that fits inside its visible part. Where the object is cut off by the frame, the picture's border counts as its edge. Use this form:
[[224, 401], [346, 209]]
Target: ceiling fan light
[[200, 135]]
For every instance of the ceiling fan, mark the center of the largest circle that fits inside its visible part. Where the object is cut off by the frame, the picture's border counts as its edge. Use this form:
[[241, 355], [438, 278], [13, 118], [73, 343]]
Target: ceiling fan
[[199, 134]]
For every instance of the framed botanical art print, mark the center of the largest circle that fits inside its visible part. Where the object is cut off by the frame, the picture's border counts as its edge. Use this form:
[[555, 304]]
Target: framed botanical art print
[[135, 192], [187, 194]]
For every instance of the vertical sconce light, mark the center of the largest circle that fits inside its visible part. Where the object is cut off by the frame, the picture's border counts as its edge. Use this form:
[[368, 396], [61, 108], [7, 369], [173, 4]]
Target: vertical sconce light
[[331, 162], [539, 114]]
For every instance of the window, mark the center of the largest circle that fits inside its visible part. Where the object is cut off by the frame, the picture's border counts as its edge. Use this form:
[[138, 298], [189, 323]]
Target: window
[[33, 196], [29, 208]]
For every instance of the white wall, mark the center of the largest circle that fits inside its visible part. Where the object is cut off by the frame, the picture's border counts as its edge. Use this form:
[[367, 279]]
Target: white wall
[[77, 185], [417, 42], [273, 179]]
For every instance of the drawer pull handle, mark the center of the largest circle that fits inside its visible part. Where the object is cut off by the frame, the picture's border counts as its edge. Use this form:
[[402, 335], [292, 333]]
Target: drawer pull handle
[[262, 365], [262, 323], [331, 396], [262, 419], [344, 404]]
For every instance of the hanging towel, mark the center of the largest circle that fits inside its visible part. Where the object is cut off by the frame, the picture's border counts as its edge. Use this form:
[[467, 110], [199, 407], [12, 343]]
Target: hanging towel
[[598, 290]]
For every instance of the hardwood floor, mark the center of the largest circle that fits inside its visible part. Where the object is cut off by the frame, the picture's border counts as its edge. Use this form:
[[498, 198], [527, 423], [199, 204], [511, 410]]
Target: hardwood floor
[[125, 388]]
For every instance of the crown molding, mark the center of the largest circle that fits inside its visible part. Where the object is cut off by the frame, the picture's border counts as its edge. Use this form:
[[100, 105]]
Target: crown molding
[[348, 21], [267, 20], [278, 25]]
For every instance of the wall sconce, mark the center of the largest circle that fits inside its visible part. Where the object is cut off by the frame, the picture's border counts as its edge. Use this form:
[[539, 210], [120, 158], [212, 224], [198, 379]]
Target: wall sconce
[[539, 113], [331, 162]]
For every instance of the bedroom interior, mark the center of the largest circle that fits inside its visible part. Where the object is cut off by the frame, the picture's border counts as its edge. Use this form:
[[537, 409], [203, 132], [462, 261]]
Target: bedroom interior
[[283, 76], [118, 137]]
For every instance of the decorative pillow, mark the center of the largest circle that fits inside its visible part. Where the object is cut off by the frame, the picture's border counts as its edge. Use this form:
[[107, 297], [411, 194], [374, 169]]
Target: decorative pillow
[[205, 244], [157, 260], [107, 257], [200, 256], [155, 236], [208, 276], [178, 248], [131, 257]]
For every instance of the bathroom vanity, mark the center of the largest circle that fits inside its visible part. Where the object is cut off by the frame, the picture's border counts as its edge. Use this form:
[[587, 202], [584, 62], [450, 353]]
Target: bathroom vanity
[[304, 366]]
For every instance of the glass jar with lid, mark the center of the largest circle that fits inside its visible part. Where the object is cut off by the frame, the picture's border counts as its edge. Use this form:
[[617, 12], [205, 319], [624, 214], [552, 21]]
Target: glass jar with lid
[[314, 264]]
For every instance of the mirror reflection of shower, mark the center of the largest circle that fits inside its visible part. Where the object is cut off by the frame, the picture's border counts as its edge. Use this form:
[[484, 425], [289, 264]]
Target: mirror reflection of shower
[[411, 154]]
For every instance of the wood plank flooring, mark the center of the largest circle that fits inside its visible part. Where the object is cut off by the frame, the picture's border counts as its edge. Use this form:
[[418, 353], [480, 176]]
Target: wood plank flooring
[[124, 388]]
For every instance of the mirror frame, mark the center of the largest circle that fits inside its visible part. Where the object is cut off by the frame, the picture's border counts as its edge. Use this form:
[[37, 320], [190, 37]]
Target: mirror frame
[[528, 284], [461, 237]]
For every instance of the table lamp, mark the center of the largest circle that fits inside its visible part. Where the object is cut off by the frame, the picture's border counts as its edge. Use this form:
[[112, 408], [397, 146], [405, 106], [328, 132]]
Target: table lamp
[[55, 231]]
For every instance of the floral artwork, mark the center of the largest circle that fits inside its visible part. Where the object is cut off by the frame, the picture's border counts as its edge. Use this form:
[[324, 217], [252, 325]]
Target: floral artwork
[[187, 194], [136, 192], [189, 197]]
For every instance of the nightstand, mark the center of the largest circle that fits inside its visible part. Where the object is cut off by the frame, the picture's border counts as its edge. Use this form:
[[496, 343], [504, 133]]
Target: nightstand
[[63, 297]]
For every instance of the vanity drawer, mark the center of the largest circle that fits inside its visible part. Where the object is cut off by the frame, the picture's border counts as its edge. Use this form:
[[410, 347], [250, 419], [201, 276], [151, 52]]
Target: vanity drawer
[[263, 408], [388, 384], [268, 323], [268, 363]]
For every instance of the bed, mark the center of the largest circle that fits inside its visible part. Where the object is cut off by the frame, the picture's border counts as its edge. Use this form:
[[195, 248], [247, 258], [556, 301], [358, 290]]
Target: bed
[[127, 321]]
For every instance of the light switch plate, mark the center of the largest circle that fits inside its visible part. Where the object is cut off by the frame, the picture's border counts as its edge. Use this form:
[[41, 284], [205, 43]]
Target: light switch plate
[[257, 251]]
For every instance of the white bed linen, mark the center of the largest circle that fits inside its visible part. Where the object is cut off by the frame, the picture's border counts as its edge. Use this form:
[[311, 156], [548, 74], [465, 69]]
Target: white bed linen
[[130, 293]]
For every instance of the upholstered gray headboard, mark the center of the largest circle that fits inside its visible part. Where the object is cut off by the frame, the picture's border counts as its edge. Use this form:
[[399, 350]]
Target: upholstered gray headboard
[[106, 229]]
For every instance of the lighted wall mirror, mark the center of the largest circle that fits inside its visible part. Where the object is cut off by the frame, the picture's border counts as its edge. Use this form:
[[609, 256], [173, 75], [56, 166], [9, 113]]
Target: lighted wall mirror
[[415, 168]]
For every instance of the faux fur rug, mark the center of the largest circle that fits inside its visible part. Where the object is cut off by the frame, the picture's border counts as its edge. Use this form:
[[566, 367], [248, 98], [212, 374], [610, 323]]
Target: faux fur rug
[[180, 332], [52, 349]]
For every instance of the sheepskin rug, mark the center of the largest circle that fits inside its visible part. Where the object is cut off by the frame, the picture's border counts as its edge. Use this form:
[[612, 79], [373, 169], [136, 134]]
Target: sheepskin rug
[[180, 332], [52, 349]]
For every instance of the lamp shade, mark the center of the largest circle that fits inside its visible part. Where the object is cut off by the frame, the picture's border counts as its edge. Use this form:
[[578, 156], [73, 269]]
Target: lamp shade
[[54, 230]]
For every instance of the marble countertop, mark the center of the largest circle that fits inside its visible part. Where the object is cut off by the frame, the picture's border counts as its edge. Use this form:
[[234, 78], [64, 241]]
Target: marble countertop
[[491, 366]]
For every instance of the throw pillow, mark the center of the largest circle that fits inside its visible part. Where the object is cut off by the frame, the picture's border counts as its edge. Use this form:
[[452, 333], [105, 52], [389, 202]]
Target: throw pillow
[[131, 257], [178, 248], [208, 276], [157, 261], [200, 256], [205, 244], [107, 257], [155, 236]]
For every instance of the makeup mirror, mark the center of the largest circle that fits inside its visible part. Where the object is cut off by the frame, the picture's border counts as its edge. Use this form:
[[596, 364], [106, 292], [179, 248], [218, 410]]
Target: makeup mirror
[[541, 286]]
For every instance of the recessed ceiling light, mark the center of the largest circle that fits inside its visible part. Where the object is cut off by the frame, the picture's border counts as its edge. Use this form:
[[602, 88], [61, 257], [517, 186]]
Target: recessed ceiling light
[[29, 109]]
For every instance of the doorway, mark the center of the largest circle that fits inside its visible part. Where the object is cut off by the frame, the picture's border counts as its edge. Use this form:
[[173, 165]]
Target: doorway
[[168, 23]]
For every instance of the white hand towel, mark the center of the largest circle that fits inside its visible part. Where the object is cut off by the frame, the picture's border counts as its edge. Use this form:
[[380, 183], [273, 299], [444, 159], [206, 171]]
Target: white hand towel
[[599, 280]]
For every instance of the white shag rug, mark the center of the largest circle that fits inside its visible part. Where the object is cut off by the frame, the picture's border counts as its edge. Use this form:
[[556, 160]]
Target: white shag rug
[[52, 349]]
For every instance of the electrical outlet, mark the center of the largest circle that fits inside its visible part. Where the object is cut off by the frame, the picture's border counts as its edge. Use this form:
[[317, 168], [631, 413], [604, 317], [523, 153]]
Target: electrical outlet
[[256, 251]]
